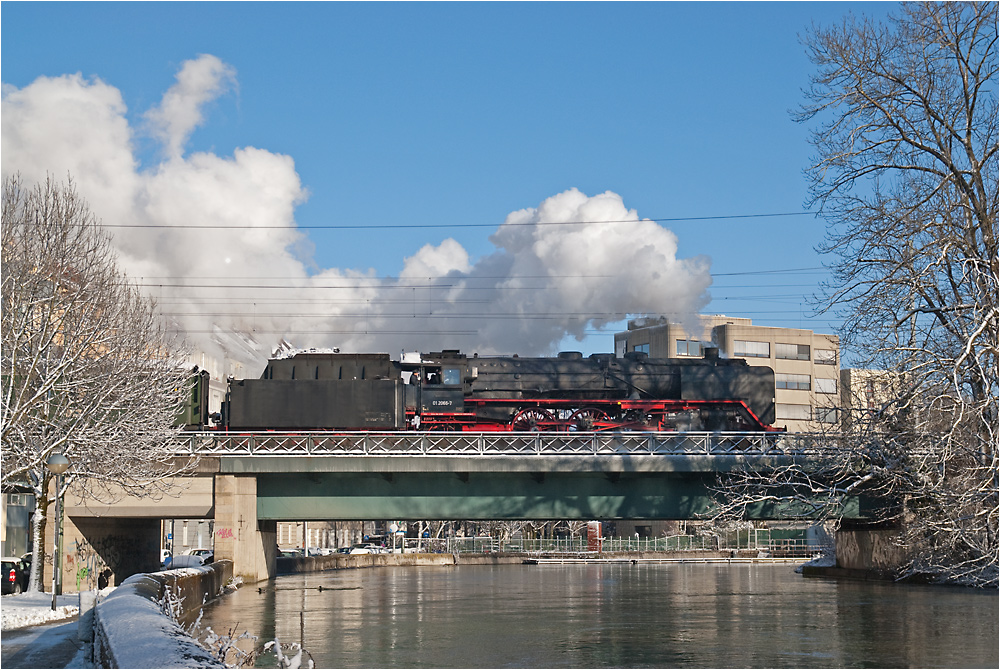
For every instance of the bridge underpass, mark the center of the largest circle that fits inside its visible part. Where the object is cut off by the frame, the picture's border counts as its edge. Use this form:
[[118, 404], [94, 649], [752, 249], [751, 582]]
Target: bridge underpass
[[248, 483]]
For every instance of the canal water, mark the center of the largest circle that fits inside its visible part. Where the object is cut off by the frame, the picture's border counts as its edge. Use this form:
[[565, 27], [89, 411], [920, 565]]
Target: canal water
[[612, 616]]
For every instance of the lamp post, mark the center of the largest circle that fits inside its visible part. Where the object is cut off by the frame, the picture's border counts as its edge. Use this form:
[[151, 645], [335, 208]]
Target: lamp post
[[57, 464]]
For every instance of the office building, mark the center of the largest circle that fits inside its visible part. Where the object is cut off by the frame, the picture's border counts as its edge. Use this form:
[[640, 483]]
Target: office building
[[806, 364]]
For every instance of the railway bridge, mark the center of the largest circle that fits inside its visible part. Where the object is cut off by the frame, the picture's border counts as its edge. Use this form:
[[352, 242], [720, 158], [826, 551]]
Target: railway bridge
[[248, 482]]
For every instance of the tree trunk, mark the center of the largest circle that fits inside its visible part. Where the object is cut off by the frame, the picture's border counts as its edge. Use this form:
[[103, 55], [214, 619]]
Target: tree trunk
[[38, 521]]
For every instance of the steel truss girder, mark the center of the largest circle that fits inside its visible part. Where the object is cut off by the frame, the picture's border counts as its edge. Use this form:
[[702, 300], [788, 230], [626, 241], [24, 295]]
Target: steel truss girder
[[331, 443]]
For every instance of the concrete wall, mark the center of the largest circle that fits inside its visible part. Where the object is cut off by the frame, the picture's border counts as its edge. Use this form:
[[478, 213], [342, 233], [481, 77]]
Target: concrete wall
[[239, 536], [192, 498], [92, 546], [348, 561], [870, 549], [345, 561], [131, 631]]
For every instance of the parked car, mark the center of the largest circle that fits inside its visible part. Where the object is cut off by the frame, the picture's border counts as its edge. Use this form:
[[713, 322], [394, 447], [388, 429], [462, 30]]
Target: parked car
[[290, 553], [320, 551], [207, 555], [367, 549], [186, 561], [14, 577]]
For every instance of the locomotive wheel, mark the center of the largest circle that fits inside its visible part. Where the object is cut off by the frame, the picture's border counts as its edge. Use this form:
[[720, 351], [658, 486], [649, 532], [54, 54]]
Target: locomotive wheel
[[587, 417], [529, 419]]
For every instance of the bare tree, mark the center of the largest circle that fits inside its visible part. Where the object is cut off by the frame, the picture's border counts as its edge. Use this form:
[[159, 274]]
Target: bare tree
[[905, 175], [87, 368]]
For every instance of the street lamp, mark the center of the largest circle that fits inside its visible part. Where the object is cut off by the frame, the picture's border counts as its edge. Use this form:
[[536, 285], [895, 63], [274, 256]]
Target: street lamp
[[57, 464]]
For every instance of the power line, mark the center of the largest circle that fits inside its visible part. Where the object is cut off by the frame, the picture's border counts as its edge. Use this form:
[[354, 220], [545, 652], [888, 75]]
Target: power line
[[172, 284], [370, 331], [419, 226]]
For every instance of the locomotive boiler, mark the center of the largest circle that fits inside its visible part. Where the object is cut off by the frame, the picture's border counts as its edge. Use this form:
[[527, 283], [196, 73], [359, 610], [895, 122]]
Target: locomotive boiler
[[448, 390]]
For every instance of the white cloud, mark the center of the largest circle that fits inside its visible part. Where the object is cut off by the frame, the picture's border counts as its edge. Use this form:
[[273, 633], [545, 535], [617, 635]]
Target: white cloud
[[541, 283]]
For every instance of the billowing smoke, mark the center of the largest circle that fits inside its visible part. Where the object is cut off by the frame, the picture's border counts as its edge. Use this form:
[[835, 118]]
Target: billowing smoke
[[572, 264]]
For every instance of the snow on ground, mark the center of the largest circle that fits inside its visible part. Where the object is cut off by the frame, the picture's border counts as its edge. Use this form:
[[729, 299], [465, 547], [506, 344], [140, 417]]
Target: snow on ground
[[31, 609], [821, 561]]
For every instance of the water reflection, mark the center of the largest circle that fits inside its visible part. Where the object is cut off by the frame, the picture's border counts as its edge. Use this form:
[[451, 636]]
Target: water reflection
[[614, 616]]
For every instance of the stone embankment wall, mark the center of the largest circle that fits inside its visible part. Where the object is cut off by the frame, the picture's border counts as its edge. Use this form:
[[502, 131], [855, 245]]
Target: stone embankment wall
[[131, 630], [347, 561]]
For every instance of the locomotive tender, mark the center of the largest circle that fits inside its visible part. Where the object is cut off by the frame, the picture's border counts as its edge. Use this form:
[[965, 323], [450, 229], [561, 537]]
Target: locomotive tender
[[448, 390]]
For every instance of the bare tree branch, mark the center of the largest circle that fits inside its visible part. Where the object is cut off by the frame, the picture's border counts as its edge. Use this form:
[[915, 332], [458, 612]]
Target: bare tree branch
[[905, 175], [87, 368]]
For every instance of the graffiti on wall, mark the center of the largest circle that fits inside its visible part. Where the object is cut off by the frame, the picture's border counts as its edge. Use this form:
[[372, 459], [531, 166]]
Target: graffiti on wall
[[94, 561]]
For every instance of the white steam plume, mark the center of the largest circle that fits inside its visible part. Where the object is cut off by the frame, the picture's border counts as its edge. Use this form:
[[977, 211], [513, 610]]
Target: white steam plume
[[549, 276], [199, 81]]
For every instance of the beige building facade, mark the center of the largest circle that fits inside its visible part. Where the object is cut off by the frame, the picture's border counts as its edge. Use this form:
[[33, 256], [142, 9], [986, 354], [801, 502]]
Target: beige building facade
[[806, 364], [864, 394]]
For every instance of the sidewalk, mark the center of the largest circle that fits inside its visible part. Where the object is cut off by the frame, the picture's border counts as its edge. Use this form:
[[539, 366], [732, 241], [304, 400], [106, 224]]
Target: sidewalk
[[54, 645], [35, 636]]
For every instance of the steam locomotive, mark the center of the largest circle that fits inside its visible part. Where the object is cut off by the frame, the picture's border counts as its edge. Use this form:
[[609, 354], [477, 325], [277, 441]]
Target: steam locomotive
[[450, 391]]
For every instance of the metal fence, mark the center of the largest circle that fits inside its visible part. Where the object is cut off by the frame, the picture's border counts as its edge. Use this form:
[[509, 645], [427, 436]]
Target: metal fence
[[507, 443], [759, 541]]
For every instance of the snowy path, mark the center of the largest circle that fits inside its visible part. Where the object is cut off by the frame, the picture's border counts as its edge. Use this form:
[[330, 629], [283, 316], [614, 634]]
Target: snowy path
[[54, 645], [35, 636]]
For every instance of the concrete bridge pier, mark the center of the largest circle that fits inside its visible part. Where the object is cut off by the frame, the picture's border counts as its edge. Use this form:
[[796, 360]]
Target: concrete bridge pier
[[251, 544], [873, 549]]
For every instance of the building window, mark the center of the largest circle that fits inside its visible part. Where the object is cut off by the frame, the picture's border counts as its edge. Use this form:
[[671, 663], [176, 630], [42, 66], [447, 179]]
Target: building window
[[746, 349], [689, 348], [825, 356], [794, 352], [792, 382], [826, 414], [792, 412], [826, 385], [641, 348]]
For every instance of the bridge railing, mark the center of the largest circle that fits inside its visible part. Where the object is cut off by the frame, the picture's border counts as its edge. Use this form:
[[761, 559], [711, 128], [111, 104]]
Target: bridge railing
[[324, 443], [778, 548]]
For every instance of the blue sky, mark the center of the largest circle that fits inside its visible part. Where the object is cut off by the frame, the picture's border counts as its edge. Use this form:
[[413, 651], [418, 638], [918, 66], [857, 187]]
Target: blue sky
[[409, 124]]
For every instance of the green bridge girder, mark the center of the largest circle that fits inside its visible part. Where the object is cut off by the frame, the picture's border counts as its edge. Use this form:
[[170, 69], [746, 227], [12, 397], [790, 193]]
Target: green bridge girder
[[486, 496], [477, 488]]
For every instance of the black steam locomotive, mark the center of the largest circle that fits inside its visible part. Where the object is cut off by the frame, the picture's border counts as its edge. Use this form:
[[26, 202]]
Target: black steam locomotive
[[448, 390]]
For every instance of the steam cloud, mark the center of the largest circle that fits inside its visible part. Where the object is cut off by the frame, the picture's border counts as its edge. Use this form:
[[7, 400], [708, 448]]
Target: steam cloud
[[541, 283]]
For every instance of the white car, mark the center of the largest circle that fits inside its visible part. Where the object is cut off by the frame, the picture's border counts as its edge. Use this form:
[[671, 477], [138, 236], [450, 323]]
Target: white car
[[207, 555], [186, 561], [367, 549]]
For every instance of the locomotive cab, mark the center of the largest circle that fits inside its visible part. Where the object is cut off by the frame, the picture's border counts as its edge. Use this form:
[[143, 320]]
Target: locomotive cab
[[436, 384]]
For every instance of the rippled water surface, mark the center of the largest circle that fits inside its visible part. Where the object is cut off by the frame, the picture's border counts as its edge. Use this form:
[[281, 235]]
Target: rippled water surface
[[613, 616]]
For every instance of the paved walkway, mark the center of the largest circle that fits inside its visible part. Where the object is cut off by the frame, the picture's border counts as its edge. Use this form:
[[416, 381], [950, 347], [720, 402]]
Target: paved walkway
[[53, 645]]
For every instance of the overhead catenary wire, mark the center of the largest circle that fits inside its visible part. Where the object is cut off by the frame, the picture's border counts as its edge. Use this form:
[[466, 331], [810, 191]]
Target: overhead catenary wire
[[148, 282], [421, 226]]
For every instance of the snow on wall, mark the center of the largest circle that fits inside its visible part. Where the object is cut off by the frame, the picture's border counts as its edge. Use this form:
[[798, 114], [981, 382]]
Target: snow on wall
[[131, 631]]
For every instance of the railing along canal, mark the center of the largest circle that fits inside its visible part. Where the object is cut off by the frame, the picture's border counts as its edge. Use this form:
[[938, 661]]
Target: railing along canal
[[499, 444], [756, 540]]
